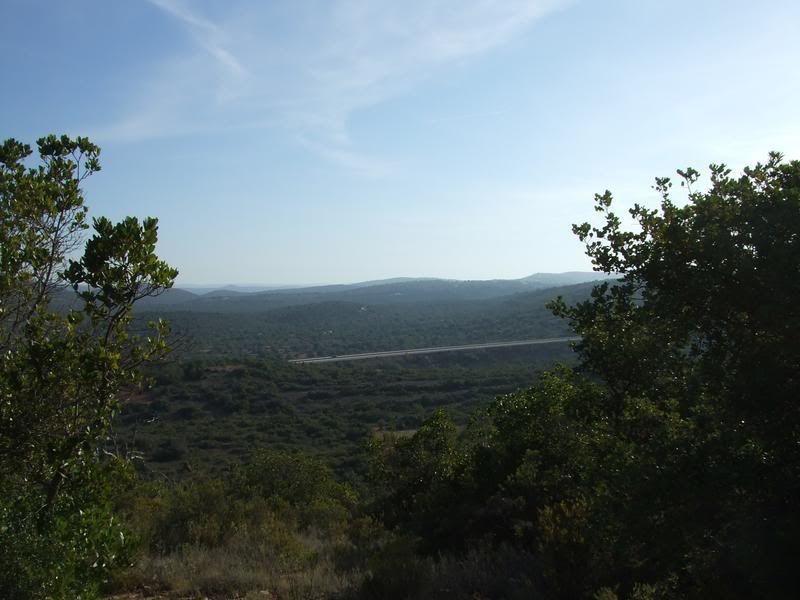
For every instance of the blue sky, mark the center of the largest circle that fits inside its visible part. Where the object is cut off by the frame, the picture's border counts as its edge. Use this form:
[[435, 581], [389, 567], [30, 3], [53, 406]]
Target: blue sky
[[336, 141]]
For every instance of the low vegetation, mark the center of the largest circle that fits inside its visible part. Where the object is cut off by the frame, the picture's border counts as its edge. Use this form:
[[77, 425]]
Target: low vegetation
[[202, 416]]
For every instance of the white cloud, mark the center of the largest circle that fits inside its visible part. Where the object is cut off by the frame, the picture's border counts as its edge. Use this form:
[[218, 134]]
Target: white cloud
[[309, 71], [210, 36]]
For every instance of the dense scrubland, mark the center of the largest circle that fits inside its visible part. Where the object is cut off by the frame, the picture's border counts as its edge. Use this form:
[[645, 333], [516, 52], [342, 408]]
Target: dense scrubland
[[660, 459], [211, 414]]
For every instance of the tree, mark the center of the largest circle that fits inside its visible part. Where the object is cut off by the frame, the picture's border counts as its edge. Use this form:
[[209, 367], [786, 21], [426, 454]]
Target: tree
[[697, 348], [418, 473], [66, 355], [667, 464]]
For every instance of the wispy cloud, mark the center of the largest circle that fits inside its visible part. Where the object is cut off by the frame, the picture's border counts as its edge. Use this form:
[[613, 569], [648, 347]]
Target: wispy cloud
[[208, 35], [309, 70]]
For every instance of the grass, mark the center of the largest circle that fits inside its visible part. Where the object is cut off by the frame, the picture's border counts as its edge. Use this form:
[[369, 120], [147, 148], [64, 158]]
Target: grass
[[294, 569]]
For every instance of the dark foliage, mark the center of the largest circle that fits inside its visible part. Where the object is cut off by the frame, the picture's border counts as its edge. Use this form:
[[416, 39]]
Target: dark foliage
[[667, 464]]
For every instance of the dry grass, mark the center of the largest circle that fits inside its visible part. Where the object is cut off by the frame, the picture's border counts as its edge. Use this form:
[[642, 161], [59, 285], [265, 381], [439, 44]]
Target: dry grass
[[295, 568]]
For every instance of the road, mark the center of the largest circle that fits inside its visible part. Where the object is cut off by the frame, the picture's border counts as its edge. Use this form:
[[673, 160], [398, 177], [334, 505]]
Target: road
[[409, 352]]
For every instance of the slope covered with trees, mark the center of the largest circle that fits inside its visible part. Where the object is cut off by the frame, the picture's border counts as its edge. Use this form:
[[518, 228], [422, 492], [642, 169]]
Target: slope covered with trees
[[327, 328]]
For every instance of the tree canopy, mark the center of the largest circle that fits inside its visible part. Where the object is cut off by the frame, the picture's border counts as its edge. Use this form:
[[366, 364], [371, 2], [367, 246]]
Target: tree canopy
[[667, 463], [66, 354]]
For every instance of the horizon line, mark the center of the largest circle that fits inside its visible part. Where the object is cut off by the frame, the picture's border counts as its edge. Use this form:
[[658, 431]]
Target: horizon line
[[220, 285]]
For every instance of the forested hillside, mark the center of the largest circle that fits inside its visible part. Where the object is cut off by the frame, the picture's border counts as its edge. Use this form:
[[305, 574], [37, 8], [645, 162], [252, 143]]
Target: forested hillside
[[330, 327], [390, 291]]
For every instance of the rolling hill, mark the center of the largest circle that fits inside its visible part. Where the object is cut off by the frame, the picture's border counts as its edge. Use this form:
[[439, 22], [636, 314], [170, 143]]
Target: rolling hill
[[328, 324], [390, 291]]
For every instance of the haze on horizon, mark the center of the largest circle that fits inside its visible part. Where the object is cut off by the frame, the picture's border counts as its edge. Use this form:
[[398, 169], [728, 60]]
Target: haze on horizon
[[554, 279], [349, 141]]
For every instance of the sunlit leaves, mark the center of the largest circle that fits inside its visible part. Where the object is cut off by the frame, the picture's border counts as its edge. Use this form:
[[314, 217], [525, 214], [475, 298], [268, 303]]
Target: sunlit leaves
[[61, 373]]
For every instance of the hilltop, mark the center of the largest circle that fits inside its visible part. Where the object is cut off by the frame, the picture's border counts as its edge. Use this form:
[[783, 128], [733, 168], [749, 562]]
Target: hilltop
[[398, 290]]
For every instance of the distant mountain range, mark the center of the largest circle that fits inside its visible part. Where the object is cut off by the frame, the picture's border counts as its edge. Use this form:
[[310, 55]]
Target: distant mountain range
[[373, 318], [234, 299]]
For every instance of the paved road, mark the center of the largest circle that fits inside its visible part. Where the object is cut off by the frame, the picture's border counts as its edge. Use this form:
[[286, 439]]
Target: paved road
[[390, 353]]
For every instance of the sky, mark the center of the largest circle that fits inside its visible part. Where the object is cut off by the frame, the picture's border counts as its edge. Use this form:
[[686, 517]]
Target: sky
[[304, 142]]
